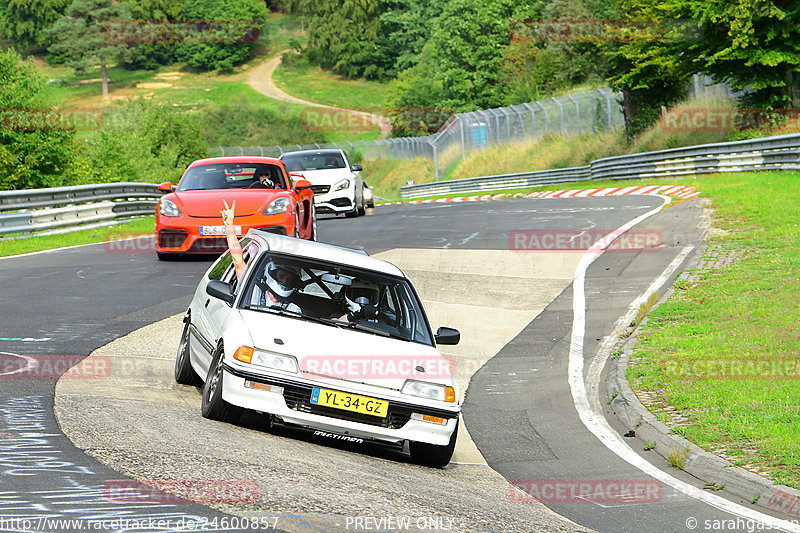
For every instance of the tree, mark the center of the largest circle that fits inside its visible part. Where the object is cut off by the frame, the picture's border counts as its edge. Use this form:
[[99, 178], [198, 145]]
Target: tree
[[147, 52], [751, 44], [405, 27], [25, 22], [467, 43], [36, 143], [82, 38], [343, 36], [646, 61], [226, 32]]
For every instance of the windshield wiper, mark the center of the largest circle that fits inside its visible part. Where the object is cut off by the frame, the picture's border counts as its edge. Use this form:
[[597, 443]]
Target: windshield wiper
[[370, 329], [278, 310]]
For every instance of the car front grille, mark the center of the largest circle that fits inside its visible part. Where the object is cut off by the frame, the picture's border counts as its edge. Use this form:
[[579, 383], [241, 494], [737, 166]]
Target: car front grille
[[209, 245], [320, 189], [171, 238], [341, 202]]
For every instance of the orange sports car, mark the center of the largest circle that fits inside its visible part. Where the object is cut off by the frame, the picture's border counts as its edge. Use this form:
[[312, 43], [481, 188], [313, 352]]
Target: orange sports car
[[188, 217]]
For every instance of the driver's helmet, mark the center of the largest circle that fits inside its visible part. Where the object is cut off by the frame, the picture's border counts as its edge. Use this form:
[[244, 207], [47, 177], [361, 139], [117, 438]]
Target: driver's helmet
[[362, 293], [281, 279]]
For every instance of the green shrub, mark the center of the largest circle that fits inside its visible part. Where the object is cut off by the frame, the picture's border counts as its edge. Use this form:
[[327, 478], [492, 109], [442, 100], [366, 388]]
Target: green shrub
[[36, 143], [222, 49]]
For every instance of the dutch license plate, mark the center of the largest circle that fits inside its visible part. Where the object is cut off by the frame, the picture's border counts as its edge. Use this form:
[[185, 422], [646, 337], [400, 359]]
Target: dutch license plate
[[350, 402], [218, 230]]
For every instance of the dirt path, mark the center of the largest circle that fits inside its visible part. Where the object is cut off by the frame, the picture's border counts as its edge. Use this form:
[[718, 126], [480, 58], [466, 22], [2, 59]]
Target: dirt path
[[260, 79]]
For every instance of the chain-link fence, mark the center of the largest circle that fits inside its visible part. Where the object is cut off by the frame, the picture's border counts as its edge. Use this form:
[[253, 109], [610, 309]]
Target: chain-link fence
[[574, 114], [588, 112]]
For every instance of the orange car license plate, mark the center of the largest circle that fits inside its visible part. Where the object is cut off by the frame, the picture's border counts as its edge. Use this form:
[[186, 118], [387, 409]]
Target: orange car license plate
[[218, 230], [350, 402]]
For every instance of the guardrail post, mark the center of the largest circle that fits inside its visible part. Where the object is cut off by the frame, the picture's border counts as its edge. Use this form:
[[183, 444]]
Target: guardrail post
[[561, 112]]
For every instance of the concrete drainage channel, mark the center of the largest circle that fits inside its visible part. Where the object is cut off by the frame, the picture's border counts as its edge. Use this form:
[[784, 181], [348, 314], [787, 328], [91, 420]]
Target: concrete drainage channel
[[716, 472]]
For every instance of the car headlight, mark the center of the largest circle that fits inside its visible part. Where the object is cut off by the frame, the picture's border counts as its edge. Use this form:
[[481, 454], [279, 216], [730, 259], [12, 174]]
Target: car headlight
[[278, 205], [431, 391], [276, 361], [168, 208], [341, 185]]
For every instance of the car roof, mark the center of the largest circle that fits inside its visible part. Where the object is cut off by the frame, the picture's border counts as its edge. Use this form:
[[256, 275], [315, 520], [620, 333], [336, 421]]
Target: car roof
[[325, 252], [324, 151], [237, 159]]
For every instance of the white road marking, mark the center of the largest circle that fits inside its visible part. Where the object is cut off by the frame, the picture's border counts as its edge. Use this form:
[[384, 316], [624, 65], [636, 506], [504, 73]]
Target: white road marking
[[592, 417], [24, 339], [32, 363]]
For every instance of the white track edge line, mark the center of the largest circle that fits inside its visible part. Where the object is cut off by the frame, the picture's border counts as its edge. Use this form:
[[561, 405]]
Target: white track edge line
[[598, 424]]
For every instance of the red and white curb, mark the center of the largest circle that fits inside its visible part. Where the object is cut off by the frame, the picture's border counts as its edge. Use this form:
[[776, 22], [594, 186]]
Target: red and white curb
[[677, 191]]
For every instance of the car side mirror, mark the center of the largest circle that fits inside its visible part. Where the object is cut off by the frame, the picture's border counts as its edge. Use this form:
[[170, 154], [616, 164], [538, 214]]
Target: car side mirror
[[221, 290], [301, 185], [166, 187], [447, 336], [357, 168]]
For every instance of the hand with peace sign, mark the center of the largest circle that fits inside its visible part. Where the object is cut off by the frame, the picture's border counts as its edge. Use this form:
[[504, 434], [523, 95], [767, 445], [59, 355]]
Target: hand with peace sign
[[233, 242], [228, 213]]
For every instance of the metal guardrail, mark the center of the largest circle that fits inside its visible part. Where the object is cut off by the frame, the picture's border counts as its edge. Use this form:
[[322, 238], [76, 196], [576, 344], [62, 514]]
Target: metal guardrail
[[64, 209], [767, 153]]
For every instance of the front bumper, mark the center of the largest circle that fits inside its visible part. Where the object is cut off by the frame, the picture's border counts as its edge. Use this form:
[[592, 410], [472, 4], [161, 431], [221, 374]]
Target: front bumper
[[334, 202], [293, 407], [182, 234]]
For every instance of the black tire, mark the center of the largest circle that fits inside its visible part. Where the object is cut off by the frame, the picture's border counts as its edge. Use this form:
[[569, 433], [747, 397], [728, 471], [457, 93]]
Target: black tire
[[352, 214], [433, 455], [213, 406], [184, 373]]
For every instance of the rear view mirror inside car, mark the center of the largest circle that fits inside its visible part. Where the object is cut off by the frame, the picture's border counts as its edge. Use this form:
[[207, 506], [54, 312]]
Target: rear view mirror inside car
[[337, 279]]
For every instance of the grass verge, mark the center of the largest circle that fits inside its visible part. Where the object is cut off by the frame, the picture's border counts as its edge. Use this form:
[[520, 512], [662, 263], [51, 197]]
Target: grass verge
[[311, 83], [724, 350], [139, 226]]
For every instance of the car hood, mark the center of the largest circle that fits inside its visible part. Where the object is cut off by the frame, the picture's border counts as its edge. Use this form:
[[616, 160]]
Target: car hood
[[335, 354], [325, 177], [208, 204]]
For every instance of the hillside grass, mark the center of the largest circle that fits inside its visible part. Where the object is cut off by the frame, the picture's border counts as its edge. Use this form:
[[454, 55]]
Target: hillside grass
[[311, 83]]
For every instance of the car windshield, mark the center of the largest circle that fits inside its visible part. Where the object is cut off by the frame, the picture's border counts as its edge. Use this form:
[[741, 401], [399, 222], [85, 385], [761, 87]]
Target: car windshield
[[232, 176], [313, 161], [338, 296]]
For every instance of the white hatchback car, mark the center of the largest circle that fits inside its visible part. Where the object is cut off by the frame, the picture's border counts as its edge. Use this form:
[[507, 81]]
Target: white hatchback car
[[349, 353], [335, 181]]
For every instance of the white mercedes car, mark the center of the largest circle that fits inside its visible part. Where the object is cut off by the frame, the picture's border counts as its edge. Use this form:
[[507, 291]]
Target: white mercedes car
[[323, 337], [335, 181]]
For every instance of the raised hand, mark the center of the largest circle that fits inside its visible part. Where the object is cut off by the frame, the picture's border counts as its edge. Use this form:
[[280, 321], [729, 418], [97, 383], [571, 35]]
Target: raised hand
[[228, 213]]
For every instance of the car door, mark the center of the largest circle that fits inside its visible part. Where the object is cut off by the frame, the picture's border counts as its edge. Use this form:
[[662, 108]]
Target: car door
[[213, 312]]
